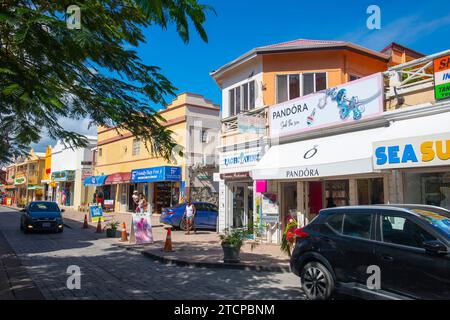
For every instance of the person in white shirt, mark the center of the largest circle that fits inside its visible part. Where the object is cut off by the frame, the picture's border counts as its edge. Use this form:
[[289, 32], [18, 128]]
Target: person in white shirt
[[189, 215], [135, 198]]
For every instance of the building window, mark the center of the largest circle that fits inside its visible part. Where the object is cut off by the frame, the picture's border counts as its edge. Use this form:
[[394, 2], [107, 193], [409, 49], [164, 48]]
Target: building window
[[353, 77], [100, 152], [136, 147], [370, 191], [432, 188], [291, 86], [242, 98], [204, 136]]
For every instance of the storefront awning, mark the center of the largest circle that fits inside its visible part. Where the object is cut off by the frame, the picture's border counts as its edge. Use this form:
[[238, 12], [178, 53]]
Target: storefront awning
[[119, 177], [338, 155], [95, 180]]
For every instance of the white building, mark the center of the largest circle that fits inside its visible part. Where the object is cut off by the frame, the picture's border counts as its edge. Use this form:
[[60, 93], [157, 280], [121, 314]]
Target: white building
[[69, 168]]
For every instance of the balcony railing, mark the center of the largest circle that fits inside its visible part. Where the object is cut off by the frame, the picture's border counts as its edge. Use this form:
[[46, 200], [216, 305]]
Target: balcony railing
[[411, 76], [230, 124]]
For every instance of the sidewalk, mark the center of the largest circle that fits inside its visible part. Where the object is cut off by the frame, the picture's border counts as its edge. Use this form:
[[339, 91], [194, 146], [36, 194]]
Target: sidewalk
[[201, 249]]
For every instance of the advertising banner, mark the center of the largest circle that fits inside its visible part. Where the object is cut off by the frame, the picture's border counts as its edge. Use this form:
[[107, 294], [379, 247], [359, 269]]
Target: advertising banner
[[422, 151], [141, 230], [442, 78], [350, 102]]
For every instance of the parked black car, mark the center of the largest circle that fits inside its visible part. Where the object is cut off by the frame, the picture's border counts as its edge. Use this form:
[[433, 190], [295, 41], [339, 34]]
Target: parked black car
[[41, 216], [342, 248]]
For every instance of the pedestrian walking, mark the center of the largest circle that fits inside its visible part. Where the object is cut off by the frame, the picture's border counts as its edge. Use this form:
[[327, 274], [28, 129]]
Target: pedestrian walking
[[189, 215]]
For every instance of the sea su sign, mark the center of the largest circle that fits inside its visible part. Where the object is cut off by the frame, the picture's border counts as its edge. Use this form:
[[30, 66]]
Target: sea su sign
[[413, 152]]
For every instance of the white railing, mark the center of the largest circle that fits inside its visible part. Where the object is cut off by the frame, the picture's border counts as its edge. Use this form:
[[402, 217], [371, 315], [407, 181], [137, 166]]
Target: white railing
[[411, 76], [230, 124]]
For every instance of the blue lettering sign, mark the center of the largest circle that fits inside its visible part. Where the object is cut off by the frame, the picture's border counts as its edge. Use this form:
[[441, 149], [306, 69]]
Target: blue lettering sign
[[409, 154], [380, 153], [393, 154]]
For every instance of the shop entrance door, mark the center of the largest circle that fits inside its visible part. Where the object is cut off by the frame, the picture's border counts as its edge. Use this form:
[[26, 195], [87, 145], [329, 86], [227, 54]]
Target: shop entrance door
[[242, 204], [315, 197]]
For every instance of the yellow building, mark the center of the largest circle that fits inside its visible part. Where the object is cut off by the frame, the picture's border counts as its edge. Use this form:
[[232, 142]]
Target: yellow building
[[122, 163], [46, 172], [28, 176]]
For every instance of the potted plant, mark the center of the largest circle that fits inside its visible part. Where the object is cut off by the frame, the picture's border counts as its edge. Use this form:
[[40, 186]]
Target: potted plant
[[288, 238], [232, 240], [111, 228]]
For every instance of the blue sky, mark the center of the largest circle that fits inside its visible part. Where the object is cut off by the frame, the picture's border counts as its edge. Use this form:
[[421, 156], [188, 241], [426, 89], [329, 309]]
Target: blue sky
[[241, 25]]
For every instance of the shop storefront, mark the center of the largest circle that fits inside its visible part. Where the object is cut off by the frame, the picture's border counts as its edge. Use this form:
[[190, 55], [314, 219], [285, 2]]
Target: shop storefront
[[97, 182], [160, 185], [237, 187], [418, 160], [118, 185], [300, 175], [65, 186]]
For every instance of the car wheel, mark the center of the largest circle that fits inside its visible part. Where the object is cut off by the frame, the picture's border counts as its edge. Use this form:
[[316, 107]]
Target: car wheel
[[183, 224], [317, 281]]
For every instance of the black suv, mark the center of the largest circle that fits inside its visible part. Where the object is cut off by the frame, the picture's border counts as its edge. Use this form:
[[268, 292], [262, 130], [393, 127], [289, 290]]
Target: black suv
[[375, 252]]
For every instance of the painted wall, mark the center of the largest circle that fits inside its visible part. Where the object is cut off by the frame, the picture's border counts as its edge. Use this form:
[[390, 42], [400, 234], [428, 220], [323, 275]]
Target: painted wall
[[338, 64]]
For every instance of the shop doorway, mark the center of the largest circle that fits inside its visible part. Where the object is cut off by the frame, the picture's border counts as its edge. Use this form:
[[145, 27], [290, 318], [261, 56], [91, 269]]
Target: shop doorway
[[315, 197], [242, 198], [288, 202], [370, 191]]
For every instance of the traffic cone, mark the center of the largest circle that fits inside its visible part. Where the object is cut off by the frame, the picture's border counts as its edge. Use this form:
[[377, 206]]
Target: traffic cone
[[85, 223], [168, 244], [124, 237], [99, 226]]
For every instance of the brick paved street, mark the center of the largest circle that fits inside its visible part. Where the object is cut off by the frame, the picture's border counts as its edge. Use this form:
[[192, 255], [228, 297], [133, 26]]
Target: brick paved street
[[110, 272]]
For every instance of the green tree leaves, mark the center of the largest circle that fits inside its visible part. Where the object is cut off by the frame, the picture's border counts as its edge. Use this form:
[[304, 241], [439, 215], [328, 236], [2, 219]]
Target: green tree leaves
[[48, 71]]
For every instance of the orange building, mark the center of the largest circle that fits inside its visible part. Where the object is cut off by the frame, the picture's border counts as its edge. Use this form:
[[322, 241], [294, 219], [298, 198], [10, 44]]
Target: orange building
[[270, 75]]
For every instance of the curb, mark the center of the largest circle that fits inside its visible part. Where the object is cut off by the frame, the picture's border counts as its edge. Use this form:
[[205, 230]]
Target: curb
[[211, 265], [8, 207]]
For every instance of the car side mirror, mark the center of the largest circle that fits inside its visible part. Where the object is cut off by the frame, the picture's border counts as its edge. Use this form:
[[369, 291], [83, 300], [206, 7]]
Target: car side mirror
[[63, 210], [435, 247]]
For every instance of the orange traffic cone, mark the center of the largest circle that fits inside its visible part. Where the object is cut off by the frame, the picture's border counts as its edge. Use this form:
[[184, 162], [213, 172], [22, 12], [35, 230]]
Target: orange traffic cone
[[168, 244], [99, 226], [124, 237], [85, 223]]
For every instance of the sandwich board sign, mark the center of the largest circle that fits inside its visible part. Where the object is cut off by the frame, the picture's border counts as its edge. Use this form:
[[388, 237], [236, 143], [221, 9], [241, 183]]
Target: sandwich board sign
[[96, 213], [442, 78]]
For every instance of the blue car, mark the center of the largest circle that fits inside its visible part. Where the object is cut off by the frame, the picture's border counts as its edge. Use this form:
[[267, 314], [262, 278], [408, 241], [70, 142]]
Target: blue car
[[41, 216], [206, 217]]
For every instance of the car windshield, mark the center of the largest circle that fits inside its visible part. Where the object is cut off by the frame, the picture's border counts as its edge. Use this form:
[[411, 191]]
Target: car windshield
[[438, 221], [43, 207]]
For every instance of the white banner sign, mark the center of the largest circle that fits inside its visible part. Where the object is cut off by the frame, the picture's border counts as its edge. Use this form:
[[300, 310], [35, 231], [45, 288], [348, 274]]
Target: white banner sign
[[423, 151], [353, 101]]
